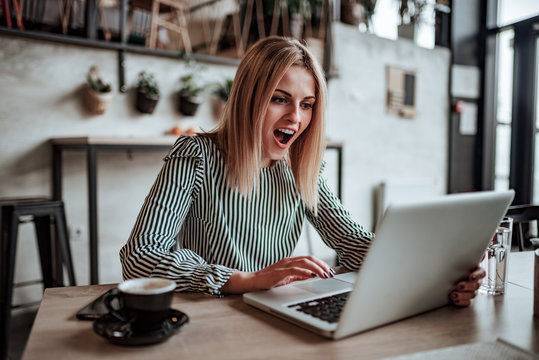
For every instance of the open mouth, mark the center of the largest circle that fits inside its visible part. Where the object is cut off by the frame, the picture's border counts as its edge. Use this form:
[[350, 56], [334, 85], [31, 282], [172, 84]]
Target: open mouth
[[283, 135]]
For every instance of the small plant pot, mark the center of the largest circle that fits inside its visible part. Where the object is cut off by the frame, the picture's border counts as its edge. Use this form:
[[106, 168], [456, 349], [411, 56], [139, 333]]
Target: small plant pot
[[188, 105], [146, 103], [352, 13], [96, 102], [408, 31]]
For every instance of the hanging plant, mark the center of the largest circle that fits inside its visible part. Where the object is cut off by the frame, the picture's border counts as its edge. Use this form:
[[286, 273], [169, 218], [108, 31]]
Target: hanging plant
[[147, 93], [191, 88], [97, 93]]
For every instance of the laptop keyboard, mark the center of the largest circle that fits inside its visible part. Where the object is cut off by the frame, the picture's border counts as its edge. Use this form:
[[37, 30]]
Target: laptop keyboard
[[327, 308]]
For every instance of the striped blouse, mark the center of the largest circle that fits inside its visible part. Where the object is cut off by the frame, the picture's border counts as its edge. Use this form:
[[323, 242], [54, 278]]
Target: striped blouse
[[194, 229]]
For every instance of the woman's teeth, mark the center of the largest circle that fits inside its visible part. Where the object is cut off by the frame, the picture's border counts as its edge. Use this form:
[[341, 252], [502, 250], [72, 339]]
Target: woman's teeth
[[283, 135], [286, 131]]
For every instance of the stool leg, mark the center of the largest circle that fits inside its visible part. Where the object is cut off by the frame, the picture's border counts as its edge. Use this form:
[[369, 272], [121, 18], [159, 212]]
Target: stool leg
[[154, 22], [10, 223], [57, 263], [63, 244], [520, 237], [18, 14], [7, 14], [43, 234]]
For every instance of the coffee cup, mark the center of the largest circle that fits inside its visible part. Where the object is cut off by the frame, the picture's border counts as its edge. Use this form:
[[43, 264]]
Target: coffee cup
[[144, 302]]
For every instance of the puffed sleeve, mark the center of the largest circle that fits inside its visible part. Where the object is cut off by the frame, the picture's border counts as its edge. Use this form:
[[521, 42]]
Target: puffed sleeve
[[150, 249], [338, 230]]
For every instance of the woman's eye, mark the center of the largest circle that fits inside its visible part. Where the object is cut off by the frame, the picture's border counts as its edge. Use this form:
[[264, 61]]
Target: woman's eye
[[279, 100], [307, 105]]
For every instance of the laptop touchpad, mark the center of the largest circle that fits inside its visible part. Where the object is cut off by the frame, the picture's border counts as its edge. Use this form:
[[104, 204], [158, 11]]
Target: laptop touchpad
[[323, 286]]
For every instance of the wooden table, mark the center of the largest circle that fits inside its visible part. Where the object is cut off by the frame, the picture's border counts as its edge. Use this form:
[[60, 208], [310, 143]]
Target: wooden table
[[93, 145], [227, 328]]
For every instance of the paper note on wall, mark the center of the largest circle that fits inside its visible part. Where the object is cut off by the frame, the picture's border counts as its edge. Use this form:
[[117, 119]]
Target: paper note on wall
[[468, 119], [465, 81]]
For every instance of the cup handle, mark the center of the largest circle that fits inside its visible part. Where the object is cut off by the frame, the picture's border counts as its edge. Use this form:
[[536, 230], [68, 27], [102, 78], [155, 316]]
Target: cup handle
[[115, 294]]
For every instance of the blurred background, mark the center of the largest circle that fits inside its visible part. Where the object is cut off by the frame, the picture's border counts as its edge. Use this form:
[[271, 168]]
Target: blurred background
[[425, 98]]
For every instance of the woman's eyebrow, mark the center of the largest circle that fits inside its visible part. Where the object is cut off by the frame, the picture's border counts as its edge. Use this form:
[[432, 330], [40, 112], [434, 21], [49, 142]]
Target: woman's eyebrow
[[284, 92], [290, 95]]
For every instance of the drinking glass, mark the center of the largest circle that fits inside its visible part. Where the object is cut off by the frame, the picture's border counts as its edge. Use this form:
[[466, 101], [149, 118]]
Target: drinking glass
[[496, 257]]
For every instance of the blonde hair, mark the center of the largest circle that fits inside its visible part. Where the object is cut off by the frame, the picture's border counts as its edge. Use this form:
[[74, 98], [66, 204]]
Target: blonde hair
[[239, 134]]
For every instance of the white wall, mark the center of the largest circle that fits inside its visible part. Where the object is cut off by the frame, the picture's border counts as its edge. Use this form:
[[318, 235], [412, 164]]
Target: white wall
[[40, 85], [380, 146], [40, 92]]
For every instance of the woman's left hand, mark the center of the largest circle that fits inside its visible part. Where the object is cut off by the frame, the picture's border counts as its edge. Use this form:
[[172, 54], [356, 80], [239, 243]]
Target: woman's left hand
[[465, 290]]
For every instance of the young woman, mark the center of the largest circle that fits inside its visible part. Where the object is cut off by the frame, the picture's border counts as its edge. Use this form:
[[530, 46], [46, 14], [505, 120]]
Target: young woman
[[236, 198]]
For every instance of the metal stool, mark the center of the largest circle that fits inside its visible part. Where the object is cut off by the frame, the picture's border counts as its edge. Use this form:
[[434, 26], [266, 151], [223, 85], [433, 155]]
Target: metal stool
[[53, 255]]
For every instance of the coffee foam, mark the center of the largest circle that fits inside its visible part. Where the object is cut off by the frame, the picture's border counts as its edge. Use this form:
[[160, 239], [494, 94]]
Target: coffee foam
[[147, 286]]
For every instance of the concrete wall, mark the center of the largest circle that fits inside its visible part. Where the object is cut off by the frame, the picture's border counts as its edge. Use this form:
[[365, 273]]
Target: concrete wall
[[380, 146], [40, 92]]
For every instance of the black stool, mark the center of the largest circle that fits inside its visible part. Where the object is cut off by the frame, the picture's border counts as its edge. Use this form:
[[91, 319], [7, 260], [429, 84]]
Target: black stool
[[53, 255]]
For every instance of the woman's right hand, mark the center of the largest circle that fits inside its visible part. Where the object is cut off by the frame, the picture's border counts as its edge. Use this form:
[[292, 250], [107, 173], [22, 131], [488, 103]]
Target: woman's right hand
[[282, 272]]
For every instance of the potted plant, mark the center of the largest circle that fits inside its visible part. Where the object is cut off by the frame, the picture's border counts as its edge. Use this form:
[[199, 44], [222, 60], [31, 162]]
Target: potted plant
[[147, 93], [410, 12], [97, 93], [191, 88], [356, 12], [221, 92]]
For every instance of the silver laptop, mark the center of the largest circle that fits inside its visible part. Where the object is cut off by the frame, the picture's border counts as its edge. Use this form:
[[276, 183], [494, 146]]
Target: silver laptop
[[420, 251]]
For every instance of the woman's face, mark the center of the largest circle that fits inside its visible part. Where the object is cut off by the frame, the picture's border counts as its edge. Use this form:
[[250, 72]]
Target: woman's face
[[289, 113]]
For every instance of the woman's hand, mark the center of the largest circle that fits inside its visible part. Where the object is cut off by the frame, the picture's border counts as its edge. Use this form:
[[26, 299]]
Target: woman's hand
[[465, 290], [282, 272]]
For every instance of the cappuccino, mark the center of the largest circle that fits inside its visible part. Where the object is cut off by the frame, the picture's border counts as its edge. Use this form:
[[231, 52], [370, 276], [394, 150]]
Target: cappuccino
[[147, 286], [145, 302]]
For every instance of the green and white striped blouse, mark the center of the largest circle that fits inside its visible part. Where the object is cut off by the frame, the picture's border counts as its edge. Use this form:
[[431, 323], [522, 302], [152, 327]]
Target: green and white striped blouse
[[220, 230]]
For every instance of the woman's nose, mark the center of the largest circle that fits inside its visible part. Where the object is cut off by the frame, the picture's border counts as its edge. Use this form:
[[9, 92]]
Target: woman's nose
[[294, 115]]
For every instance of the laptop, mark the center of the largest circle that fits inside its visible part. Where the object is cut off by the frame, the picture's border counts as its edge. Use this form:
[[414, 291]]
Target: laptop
[[420, 251]]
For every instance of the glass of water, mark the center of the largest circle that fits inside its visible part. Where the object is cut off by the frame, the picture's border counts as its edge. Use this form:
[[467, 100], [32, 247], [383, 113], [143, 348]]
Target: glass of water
[[496, 257]]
